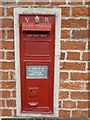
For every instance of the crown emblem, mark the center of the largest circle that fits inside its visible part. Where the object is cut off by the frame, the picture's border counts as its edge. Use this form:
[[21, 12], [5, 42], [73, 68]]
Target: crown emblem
[[36, 19]]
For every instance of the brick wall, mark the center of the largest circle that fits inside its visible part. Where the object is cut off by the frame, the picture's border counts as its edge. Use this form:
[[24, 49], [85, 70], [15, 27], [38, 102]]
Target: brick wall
[[74, 92]]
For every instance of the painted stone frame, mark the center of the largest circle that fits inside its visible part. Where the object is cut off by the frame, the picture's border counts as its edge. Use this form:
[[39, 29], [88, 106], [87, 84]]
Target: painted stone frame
[[57, 13]]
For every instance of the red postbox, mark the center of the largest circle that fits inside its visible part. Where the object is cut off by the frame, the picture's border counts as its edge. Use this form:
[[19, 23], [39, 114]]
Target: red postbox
[[37, 44]]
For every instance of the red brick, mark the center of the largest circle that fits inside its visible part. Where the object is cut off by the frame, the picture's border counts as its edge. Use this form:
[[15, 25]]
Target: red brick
[[15, 112], [41, 2], [3, 75], [2, 103], [6, 112], [58, 2], [10, 55], [62, 56], [1, 54], [88, 66], [73, 55], [87, 2], [79, 76], [10, 11], [88, 113], [8, 85], [8, 3], [63, 75], [69, 104], [83, 104], [72, 66], [43, 6], [73, 45], [79, 95], [24, 2], [7, 65], [6, 22], [63, 94], [4, 94], [89, 107], [72, 85], [11, 103], [88, 45], [64, 113], [65, 34], [13, 94], [6, 44], [75, 2], [60, 104], [74, 23], [2, 34], [10, 34], [79, 114], [1, 11], [81, 34], [88, 86], [65, 11], [86, 56], [80, 11], [12, 75]]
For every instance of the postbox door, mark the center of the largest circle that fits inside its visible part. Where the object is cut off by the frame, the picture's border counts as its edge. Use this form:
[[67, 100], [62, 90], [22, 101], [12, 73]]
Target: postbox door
[[37, 44], [38, 87]]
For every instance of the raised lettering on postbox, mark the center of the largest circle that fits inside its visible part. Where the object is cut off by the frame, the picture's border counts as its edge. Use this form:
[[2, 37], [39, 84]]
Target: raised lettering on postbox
[[33, 27]]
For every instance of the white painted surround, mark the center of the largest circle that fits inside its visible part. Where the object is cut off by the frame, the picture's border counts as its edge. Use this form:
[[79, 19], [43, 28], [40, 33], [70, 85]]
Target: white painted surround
[[57, 13]]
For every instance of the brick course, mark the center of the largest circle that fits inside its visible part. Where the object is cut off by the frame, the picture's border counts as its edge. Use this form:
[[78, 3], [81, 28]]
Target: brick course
[[6, 23], [4, 94], [80, 11], [7, 45], [74, 23], [10, 11], [8, 85], [6, 112], [7, 65], [64, 113], [11, 103], [63, 94], [2, 34], [69, 104], [2, 103], [83, 104], [3, 75], [80, 113], [73, 66], [73, 45], [1, 11], [73, 55], [79, 95], [72, 86], [63, 76], [81, 34], [1, 54], [80, 76], [10, 56]]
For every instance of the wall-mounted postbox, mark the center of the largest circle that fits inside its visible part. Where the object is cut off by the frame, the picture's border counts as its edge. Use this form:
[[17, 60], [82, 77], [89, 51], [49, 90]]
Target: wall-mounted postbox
[[37, 42]]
